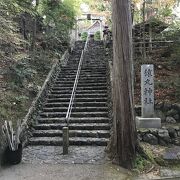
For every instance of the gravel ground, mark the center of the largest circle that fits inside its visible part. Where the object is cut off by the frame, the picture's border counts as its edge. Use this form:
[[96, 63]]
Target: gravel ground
[[47, 162], [54, 155], [26, 171], [82, 163]]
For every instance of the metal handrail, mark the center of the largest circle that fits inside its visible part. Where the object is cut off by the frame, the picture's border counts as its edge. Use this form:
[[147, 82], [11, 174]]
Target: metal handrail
[[68, 114]]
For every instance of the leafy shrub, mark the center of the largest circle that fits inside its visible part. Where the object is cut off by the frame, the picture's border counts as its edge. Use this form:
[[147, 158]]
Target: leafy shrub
[[141, 163], [20, 72], [97, 36], [177, 85], [175, 60], [84, 36]]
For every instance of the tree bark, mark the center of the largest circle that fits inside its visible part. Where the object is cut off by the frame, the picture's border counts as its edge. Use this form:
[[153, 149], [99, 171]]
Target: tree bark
[[144, 32], [34, 28], [124, 131]]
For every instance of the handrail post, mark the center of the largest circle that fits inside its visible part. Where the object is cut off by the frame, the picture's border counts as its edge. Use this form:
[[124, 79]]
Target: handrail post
[[65, 140]]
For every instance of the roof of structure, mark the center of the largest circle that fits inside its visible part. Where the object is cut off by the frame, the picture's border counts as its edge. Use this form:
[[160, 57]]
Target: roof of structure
[[96, 23]]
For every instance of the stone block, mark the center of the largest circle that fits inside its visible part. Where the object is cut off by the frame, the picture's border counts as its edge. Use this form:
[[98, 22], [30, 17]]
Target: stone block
[[150, 138], [172, 132], [147, 90], [170, 120], [148, 122], [164, 135], [172, 154], [161, 115], [177, 117]]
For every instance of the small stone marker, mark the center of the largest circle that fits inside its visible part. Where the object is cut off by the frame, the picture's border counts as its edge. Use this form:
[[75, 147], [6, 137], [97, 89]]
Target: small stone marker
[[147, 90], [147, 99], [65, 140]]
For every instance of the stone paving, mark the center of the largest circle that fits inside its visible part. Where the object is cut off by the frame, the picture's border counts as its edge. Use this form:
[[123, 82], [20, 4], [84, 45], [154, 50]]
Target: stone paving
[[54, 155], [48, 163], [26, 171], [172, 154]]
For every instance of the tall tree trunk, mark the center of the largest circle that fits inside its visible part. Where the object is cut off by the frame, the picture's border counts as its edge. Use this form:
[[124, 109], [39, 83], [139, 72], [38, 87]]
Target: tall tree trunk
[[124, 135], [33, 35], [34, 28], [144, 32]]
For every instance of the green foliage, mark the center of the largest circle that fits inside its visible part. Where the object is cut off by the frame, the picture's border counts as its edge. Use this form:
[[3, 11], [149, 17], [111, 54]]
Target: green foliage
[[164, 12], [25, 68], [20, 72], [20, 99], [10, 40], [101, 7], [10, 103], [141, 164], [84, 36], [97, 36], [177, 85], [173, 31], [175, 54], [59, 17]]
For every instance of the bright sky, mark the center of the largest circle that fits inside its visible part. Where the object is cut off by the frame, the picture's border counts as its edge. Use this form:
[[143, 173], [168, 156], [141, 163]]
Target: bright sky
[[84, 7], [176, 11]]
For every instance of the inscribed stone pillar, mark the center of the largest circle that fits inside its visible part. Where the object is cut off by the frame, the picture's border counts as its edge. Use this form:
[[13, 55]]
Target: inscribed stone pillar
[[147, 90]]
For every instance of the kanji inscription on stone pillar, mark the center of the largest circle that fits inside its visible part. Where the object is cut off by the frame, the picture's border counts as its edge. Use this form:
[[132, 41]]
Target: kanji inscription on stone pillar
[[147, 90]]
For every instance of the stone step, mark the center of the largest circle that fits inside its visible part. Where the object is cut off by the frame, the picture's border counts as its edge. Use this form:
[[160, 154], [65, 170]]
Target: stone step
[[72, 133], [81, 76], [78, 141], [81, 85], [84, 70], [76, 96], [56, 100], [83, 79], [78, 91], [77, 104], [80, 81], [59, 88], [95, 73], [89, 122], [75, 109], [71, 68], [85, 67], [61, 75], [73, 126], [74, 120], [74, 114], [94, 63], [92, 75]]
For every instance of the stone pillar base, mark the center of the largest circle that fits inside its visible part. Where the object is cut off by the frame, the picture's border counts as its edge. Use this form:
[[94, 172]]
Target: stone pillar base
[[148, 122]]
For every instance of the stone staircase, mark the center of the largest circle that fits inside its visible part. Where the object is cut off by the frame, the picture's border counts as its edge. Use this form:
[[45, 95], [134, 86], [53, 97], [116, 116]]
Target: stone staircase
[[89, 122]]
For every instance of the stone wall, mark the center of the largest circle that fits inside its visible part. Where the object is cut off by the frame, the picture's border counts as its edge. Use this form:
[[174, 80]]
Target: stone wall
[[169, 134], [169, 113], [170, 131], [2, 143]]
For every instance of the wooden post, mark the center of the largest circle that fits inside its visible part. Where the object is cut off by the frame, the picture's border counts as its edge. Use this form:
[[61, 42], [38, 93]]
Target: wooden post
[[65, 140]]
